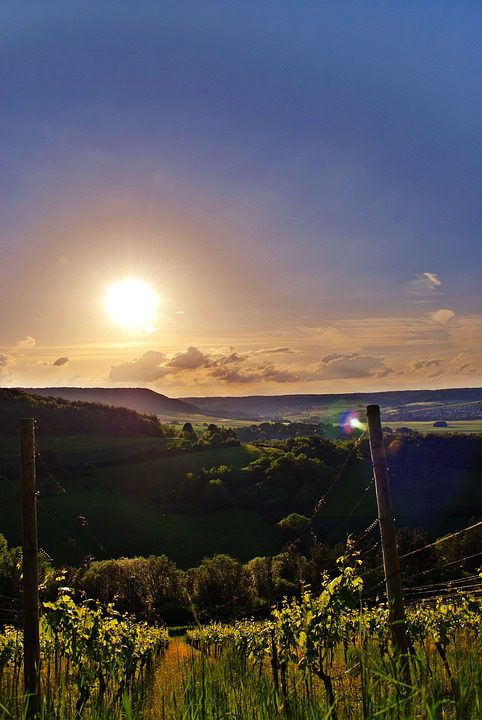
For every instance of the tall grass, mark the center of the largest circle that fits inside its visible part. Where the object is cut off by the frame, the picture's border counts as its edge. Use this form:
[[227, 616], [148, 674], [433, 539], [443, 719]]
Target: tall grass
[[231, 687], [187, 684]]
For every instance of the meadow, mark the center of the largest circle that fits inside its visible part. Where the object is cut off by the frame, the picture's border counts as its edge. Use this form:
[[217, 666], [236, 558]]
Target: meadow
[[107, 496], [124, 503], [466, 427]]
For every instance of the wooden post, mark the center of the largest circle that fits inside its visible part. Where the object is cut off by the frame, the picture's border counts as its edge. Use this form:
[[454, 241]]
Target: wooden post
[[30, 568], [391, 563]]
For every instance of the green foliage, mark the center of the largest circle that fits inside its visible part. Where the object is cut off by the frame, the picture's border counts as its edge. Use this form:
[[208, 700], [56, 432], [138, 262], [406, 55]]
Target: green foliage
[[220, 585], [330, 637], [64, 417], [92, 654], [293, 525]]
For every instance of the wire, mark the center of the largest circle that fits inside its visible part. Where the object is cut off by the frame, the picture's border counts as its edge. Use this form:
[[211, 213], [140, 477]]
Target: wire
[[447, 564], [442, 540], [430, 545], [445, 583], [443, 591], [453, 596], [353, 509]]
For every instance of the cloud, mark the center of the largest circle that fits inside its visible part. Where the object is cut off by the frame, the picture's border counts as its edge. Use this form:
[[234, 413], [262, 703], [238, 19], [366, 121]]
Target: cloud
[[264, 373], [26, 344], [147, 368], [278, 375], [233, 358], [337, 366], [192, 359], [61, 362], [461, 366], [275, 351], [443, 316], [6, 364], [337, 356], [425, 287], [425, 364], [6, 361]]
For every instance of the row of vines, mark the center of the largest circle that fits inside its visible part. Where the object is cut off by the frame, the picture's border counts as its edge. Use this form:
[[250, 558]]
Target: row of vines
[[321, 641], [325, 655], [90, 656]]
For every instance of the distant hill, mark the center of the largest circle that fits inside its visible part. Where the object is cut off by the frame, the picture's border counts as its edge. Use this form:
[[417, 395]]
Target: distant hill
[[57, 416], [460, 403], [396, 405], [140, 399]]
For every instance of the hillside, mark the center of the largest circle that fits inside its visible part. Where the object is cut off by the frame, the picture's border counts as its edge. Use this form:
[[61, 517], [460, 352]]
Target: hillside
[[456, 403], [399, 405], [111, 497], [57, 416], [145, 492], [142, 400]]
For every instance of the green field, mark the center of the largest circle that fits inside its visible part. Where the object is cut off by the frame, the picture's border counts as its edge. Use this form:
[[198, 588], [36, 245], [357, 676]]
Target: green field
[[423, 426], [127, 491], [123, 505]]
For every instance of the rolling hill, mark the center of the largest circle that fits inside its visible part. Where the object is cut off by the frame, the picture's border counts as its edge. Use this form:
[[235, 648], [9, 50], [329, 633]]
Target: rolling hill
[[396, 405], [142, 400], [457, 403], [58, 416]]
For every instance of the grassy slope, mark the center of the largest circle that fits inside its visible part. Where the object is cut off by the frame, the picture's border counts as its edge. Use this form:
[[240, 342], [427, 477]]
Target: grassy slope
[[121, 504], [454, 426]]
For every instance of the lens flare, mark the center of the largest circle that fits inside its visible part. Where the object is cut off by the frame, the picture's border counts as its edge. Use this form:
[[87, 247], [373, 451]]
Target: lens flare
[[350, 422]]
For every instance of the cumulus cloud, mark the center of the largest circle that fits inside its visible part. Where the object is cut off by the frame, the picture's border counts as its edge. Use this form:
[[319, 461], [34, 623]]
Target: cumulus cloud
[[147, 368], [279, 375], [231, 367], [425, 364], [352, 365], [459, 365], [263, 373], [425, 287], [26, 344], [6, 361], [192, 359], [61, 362], [232, 358], [443, 316]]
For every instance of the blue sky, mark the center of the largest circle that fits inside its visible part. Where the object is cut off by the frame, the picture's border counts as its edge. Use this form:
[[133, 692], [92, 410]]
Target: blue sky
[[303, 175]]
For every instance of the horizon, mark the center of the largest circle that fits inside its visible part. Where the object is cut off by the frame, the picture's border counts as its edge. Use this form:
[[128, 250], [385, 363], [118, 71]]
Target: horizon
[[244, 200], [264, 395]]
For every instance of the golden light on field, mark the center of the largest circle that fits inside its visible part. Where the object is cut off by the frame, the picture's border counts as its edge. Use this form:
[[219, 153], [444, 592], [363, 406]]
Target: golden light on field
[[132, 303]]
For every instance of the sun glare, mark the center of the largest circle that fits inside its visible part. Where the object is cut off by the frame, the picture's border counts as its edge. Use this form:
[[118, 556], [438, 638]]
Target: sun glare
[[132, 303]]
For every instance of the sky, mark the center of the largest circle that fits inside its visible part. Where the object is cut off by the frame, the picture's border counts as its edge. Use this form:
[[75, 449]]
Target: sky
[[298, 183]]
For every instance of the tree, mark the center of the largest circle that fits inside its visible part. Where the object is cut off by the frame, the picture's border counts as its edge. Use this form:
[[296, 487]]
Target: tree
[[188, 433], [220, 586], [294, 526]]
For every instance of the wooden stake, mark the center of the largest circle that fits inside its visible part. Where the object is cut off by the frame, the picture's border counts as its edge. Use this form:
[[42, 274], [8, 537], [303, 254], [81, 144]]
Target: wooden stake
[[387, 531], [30, 568]]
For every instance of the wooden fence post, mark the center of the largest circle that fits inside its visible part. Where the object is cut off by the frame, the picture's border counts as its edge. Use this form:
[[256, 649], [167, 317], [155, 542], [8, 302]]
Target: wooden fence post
[[391, 562], [30, 568]]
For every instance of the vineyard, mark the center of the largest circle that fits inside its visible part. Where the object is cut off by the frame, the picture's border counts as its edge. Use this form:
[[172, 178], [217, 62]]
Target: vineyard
[[324, 655], [326, 648], [90, 656], [328, 656]]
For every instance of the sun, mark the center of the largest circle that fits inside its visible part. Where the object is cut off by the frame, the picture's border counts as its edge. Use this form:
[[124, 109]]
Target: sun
[[132, 303]]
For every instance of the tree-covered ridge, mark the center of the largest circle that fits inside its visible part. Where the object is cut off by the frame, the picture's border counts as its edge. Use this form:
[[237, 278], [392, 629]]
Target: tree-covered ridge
[[64, 417]]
